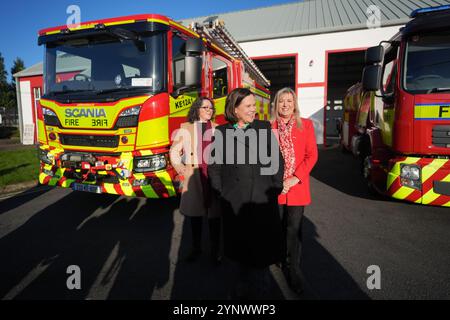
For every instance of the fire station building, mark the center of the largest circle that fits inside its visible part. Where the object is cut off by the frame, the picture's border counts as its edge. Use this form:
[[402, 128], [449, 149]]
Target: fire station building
[[315, 47]]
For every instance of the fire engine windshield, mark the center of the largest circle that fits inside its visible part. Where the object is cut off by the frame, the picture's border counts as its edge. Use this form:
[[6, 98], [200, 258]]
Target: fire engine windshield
[[427, 64], [104, 66]]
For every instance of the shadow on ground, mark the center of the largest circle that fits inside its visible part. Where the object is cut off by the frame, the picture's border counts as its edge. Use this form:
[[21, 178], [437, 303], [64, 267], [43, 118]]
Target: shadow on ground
[[22, 198], [131, 248], [341, 171]]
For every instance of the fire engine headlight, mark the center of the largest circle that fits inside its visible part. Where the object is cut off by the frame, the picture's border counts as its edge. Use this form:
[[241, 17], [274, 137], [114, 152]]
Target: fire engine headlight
[[410, 176], [48, 112], [45, 157], [411, 172], [128, 117], [134, 111], [150, 163], [50, 117]]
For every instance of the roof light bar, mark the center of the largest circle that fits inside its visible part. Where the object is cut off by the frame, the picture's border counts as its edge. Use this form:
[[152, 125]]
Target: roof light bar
[[421, 11]]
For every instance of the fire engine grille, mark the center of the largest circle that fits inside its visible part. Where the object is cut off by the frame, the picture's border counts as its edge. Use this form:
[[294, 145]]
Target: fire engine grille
[[90, 140], [441, 136]]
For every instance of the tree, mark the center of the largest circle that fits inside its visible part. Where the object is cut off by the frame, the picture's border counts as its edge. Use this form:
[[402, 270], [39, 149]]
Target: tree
[[3, 73], [8, 99], [18, 65]]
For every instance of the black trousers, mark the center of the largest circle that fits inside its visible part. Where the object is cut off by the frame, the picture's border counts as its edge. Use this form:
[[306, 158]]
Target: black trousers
[[292, 218], [214, 225]]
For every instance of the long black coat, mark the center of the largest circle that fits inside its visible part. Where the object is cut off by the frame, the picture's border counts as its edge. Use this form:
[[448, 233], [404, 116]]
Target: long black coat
[[251, 222]]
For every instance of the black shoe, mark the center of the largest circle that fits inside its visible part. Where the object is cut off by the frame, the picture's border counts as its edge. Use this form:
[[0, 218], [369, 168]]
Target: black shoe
[[216, 260], [296, 284], [193, 255], [215, 257], [296, 287]]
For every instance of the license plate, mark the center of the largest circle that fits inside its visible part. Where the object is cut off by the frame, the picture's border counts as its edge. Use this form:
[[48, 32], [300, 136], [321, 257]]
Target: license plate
[[86, 188]]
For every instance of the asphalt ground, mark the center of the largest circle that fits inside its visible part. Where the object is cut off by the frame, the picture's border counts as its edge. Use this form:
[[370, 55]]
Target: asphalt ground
[[132, 248]]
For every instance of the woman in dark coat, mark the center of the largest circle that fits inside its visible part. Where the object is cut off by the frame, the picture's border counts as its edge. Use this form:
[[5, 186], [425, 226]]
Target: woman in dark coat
[[247, 173]]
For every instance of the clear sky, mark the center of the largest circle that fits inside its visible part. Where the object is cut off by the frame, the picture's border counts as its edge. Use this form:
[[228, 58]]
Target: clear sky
[[20, 20]]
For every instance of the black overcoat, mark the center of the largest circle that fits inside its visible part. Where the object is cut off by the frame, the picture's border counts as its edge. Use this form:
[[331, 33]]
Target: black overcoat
[[251, 221]]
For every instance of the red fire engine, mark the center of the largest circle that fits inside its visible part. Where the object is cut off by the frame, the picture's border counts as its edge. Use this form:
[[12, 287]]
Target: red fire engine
[[116, 89], [397, 121]]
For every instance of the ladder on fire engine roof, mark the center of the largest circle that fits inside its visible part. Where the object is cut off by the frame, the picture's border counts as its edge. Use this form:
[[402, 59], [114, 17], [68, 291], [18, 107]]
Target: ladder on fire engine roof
[[214, 29]]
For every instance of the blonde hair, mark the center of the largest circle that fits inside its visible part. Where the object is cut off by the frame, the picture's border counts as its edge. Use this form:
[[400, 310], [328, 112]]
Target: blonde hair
[[274, 114]]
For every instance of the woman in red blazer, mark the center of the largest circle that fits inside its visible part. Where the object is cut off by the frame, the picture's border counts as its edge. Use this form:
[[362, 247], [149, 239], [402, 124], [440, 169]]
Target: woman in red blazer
[[299, 149]]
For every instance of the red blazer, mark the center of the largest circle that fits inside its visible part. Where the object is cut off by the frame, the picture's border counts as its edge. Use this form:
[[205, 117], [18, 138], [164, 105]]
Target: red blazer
[[305, 148]]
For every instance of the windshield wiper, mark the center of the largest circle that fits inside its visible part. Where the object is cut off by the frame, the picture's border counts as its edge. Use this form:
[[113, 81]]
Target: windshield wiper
[[435, 90]]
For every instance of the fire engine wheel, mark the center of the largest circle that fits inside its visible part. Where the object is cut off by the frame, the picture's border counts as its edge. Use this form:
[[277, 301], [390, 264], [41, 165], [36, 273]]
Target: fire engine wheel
[[366, 172]]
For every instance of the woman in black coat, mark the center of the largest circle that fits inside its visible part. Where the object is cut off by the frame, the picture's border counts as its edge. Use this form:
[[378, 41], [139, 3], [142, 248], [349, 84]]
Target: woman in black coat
[[247, 172]]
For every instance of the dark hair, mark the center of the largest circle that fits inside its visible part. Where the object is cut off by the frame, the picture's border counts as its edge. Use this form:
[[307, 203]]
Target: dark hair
[[233, 100], [193, 114]]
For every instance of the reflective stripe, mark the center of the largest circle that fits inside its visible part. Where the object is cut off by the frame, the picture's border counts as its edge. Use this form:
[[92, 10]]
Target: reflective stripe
[[127, 189], [109, 187], [432, 112], [41, 132], [42, 177], [109, 112], [119, 22], [153, 132], [430, 169], [149, 192], [402, 193], [166, 181], [173, 23], [139, 176], [431, 196], [67, 183], [158, 21]]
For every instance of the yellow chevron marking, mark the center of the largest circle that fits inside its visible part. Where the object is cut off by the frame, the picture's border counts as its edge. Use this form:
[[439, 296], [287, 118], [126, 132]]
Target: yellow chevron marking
[[149, 192], [42, 178], [67, 183], [166, 181], [430, 196], [402, 193], [127, 189], [109, 187], [432, 168]]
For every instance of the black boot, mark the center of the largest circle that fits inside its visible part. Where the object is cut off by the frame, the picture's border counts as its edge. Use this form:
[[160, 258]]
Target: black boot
[[196, 229]]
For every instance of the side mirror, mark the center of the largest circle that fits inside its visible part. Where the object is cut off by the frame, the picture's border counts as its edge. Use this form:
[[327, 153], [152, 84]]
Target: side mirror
[[194, 46], [374, 55], [371, 78], [193, 71]]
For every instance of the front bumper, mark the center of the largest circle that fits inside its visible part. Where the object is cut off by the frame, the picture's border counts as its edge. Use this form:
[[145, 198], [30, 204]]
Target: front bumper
[[119, 180], [434, 181]]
